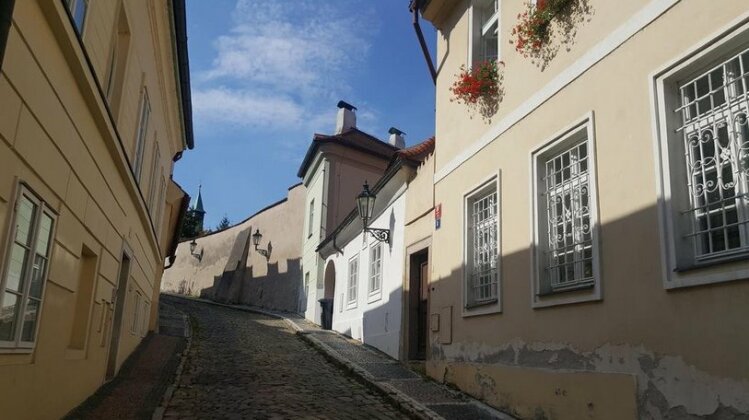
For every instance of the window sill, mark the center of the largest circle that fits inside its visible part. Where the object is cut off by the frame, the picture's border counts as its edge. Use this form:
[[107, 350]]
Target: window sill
[[575, 288], [480, 304], [713, 262], [16, 350], [374, 296]]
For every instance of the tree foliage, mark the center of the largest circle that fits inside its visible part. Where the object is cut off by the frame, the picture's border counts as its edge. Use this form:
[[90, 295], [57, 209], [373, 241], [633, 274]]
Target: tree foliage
[[190, 225], [223, 224]]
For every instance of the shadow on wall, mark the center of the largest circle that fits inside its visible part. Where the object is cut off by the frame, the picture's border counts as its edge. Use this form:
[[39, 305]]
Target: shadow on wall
[[239, 285], [641, 346]]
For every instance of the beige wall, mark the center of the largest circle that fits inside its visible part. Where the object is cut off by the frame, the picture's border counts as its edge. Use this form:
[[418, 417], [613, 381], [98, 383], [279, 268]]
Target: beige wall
[[270, 283], [57, 139], [655, 352]]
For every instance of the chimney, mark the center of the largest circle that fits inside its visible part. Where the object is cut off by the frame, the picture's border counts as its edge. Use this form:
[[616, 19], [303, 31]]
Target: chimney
[[396, 138], [346, 118]]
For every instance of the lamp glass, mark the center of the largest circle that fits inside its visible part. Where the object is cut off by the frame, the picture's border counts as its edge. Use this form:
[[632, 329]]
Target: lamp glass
[[256, 237], [193, 244], [365, 203]]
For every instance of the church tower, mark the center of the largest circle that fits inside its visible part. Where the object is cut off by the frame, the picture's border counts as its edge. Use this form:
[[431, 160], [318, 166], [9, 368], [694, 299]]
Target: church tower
[[198, 211]]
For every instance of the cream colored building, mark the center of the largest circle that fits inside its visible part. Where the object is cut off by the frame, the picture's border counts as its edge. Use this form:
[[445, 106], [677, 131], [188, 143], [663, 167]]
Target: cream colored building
[[95, 111], [592, 258]]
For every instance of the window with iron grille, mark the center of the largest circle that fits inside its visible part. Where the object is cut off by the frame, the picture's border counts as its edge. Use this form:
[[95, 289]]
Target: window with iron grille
[[353, 280], [714, 129], [565, 223], [375, 268], [568, 254], [482, 221], [702, 139]]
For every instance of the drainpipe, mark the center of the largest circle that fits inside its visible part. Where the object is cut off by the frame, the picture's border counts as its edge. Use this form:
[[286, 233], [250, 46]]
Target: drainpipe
[[6, 19], [415, 6]]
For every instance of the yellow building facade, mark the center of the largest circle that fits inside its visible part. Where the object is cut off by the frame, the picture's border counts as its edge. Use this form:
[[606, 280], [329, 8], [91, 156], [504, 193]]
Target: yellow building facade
[[591, 260], [95, 111]]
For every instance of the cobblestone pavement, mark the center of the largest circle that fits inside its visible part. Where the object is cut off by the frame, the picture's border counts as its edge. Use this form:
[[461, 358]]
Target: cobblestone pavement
[[245, 365]]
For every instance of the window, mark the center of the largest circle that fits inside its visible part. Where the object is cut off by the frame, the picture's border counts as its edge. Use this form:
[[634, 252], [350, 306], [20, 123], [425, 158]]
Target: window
[[484, 31], [311, 218], [482, 246], [26, 270], [141, 133], [375, 268], [78, 9], [703, 108], [306, 284], [154, 181], [119, 49], [565, 230], [353, 279], [160, 207]]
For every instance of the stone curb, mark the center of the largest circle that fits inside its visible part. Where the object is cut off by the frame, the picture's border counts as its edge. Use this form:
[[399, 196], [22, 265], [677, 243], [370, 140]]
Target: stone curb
[[158, 413], [400, 399], [406, 403]]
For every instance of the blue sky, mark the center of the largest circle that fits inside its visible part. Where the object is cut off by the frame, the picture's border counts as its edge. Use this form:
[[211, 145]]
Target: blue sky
[[267, 74]]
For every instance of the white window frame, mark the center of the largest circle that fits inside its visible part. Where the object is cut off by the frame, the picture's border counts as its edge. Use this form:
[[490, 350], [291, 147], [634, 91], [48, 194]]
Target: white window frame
[[72, 6], [141, 133], [375, 271], [311, 218], [681, 266], [475, 32], [153, 184], [17, 344], [146, 316], [353, 283], [483, 188], [581, 131]]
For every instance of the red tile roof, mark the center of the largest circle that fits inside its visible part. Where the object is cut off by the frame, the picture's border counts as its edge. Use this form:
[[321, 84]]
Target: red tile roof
[[418, 152]]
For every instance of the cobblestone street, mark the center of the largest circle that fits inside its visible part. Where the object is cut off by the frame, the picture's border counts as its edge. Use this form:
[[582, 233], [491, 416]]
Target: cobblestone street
[[245, 365]]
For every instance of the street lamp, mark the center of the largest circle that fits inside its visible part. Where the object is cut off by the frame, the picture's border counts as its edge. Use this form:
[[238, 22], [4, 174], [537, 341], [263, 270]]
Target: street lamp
[[256, 237], [365, 202], [198, 255]]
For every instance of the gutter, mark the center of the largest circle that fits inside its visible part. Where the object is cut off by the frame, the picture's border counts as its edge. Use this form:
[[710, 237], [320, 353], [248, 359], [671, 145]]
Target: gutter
[[183, 67], [6, 20], [415, 6], [177, 230]]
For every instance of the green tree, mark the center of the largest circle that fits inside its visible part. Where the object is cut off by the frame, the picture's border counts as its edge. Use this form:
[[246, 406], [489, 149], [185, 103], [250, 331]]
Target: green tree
[[190, 225], [223, 224]]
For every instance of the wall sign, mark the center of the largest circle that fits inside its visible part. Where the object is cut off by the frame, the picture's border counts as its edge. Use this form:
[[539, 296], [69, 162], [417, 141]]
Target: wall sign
[[437, 216]]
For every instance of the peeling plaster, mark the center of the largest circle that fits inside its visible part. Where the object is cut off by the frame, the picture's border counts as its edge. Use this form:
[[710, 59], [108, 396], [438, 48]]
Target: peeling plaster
[[667, 387]]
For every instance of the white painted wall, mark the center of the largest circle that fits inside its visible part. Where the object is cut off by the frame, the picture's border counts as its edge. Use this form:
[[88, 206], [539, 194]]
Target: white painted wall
[[373, 319]]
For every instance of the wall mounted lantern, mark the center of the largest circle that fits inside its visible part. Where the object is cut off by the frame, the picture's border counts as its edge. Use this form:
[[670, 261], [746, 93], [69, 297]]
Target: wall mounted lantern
[[198, 255], [256, 237], [365, 204]]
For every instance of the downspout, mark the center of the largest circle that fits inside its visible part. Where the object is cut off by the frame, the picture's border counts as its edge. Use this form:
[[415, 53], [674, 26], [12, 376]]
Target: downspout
[[6, 19], [415, 6]]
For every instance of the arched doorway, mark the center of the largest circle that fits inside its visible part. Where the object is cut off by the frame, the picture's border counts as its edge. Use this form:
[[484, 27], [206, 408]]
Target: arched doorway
[[326, 318]]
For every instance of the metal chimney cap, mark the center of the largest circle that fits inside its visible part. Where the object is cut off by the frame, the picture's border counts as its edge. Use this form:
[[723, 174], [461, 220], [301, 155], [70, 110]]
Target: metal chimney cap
[[346, 105], [394, 130]]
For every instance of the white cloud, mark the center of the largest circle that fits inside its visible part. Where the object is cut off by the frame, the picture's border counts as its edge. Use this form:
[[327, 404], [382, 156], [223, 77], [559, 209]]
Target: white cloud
[[246, 108], [284, 63]]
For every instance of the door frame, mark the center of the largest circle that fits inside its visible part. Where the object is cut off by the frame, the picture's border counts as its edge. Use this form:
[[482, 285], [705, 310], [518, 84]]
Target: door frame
[[409, 326], [119, 295]]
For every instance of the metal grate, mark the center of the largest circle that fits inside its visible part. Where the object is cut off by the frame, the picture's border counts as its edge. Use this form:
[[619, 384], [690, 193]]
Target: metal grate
[[714, 109], [484, 247], [569, 257]]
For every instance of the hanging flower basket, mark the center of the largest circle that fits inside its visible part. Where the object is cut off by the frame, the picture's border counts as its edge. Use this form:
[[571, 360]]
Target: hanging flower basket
[[531, 32], [480, 87]]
